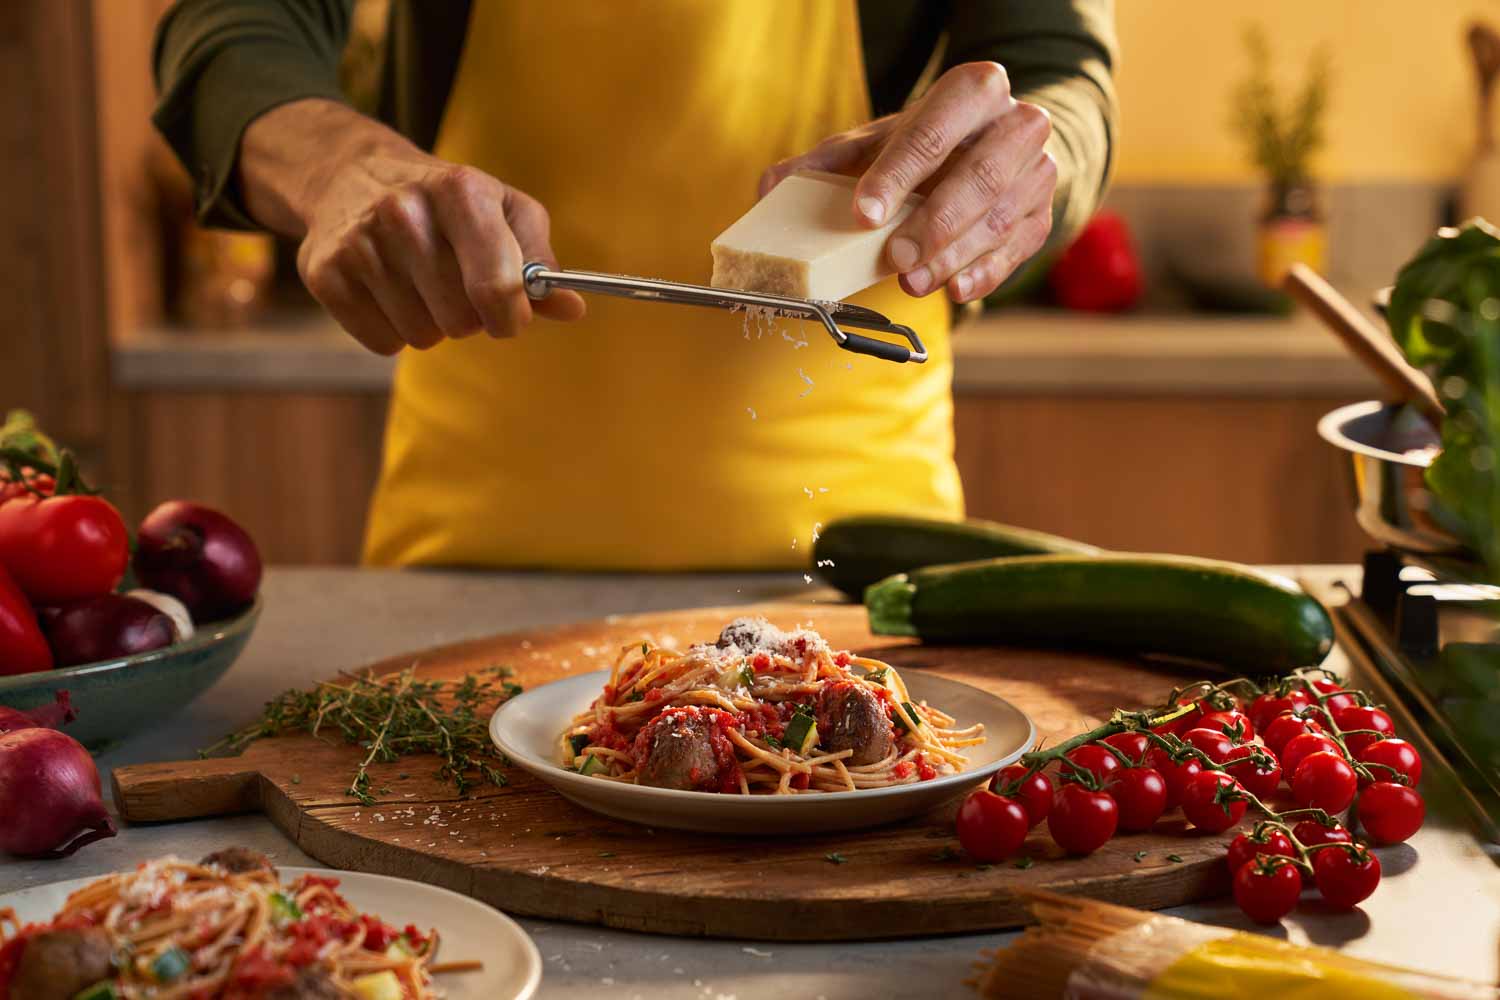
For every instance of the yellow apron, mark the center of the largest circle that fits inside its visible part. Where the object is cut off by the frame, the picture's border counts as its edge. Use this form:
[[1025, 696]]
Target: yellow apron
[[649, 436]]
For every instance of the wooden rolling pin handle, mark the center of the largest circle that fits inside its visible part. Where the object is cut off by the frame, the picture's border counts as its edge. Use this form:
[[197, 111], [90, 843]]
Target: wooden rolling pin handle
[[1369, 344], [218, 786]]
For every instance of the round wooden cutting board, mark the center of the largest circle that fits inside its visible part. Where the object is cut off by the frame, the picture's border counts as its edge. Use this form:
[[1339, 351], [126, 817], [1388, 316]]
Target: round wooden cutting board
[[526, 850]]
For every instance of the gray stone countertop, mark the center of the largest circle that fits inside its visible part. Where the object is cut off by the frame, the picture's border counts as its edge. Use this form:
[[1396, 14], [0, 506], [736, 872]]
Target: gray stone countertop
[[1438, 908]]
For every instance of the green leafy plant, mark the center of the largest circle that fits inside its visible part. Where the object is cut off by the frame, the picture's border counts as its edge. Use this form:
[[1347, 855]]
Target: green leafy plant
[[1445, 314], [1282, 137]]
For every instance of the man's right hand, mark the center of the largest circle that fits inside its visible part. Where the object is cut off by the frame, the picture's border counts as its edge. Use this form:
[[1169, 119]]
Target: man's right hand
[[402, 248]]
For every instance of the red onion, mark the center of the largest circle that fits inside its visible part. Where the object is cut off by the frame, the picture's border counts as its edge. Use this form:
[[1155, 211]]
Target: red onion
[[200, 557], [102, 628], [51, 716], [50, 803]]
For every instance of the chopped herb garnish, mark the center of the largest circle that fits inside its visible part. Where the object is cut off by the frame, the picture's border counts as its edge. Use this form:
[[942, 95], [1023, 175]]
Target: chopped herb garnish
[[747, 675], [772, 742], [637, 696], [836, 858], [393, 717], [1176, 859], [645, 648], [1140, 856], [876, 676], [284, 909], [1024, 864]]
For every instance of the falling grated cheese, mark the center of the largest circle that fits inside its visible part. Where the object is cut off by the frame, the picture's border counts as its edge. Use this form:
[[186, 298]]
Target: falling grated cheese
[[751, 410], [807, 578]]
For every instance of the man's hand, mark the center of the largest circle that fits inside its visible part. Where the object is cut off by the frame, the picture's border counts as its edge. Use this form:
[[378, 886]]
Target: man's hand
[[400, 247], [978, 154]]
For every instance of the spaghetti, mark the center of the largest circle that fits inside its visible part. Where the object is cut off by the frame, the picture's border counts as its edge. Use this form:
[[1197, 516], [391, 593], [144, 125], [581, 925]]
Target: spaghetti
[[174, 929], [761, 712]]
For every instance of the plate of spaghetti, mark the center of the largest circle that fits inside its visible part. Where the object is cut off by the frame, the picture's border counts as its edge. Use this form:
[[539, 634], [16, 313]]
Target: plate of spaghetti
[[233, 927], [761, 729]]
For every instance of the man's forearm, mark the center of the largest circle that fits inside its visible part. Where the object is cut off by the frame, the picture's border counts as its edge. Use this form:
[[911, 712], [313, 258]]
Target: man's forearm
[[288, 155]]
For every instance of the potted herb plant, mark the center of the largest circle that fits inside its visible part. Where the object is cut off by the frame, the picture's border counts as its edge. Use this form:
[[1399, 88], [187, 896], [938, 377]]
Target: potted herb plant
[[1282, 137]]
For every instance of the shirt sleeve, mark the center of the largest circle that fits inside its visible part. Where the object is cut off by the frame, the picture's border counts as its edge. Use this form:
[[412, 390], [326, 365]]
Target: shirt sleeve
[[1059, 54], [220, 64]]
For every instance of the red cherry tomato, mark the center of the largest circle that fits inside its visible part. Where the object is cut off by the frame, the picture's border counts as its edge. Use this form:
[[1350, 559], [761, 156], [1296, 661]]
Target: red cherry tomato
[[1212, 742], [1394, 753], [1245, 847], [1233, 723], [1338, 702], [1081, 821], [1188, 721], [1133, 745], [1095, 759], [1260, 779], [1299, 748], [1141, 795], [1266, 889], [1265, 708], [1034, 792], [1324, 780], [1390, 813], [991, 827], [23, 648], [1346, 877], [1280, 730], [1311, 833], [30, 484], [1356, 717], [62, 549], [1209, 801], [1176, 776]]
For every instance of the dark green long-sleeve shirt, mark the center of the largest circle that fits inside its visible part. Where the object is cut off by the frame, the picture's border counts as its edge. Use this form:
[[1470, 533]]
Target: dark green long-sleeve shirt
[[221, 63]]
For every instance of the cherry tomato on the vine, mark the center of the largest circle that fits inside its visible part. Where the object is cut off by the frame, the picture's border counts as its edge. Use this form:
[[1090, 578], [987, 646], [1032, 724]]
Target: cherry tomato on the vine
[[1176, 776], [1266, 889], [1141, 795], [1364, 717], [1209, 801], [1212, 742], [1081, 820], [991, 827], [1338, 702], [1233, 723], [1094, 759], [1259, 779], [63, 548], [1299, 748], [1324, 780], [1265, 708], [1034, 792], [1133, 745], [1390, 813], [1394, 753], [1310, 833], [1346, 875], [1285, 727], [1244, 847]]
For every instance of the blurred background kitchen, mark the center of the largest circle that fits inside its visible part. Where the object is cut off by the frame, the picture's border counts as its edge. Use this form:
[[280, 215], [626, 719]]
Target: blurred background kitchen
[[1151, 393]]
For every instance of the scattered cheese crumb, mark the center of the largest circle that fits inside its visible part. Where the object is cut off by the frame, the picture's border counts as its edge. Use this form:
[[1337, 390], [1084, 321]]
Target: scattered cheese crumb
[[751, 410], [808, 492], [817, 530], [807, 578]]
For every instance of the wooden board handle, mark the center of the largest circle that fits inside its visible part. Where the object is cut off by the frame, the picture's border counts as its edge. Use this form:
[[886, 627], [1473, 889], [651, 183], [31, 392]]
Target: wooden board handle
[[1367, 343], [218, 786]]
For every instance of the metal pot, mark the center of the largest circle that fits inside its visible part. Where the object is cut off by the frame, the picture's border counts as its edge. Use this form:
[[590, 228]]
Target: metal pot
[[1392, 502]]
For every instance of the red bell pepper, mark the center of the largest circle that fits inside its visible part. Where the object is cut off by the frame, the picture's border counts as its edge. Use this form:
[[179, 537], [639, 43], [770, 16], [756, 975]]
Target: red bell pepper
[[23, 649], [1099, 271]]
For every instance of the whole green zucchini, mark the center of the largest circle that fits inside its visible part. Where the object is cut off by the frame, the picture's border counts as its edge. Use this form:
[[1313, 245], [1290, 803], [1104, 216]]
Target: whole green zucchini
[[854, 552], [1200, 609]]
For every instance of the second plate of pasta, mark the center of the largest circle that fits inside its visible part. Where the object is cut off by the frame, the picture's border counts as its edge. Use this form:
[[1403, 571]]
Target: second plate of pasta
[[762, 730]]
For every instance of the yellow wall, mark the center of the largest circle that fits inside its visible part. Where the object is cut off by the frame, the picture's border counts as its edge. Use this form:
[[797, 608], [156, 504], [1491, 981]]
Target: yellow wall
[[1402, 103]]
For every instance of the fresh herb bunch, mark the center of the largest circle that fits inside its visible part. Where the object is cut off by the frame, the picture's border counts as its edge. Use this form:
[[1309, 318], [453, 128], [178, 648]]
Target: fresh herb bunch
[[395, 716], [1445, 314], [1282, 139]]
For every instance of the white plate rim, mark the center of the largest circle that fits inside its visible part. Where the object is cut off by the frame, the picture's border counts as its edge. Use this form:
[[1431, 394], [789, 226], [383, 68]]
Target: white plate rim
[[553, 773], [349, 879]]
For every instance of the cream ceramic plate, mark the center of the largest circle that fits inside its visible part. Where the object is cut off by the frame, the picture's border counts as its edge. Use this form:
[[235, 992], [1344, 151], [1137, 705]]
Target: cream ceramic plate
[[469, 929], [526, 730]]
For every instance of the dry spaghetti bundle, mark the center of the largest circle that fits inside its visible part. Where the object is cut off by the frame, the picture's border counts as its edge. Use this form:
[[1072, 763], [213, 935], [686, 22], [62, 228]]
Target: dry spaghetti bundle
[[1084, 950], [761, 711]]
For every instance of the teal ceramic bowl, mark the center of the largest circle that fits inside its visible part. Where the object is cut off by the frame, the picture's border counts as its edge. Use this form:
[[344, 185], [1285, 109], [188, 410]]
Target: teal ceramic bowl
[[115, 698]]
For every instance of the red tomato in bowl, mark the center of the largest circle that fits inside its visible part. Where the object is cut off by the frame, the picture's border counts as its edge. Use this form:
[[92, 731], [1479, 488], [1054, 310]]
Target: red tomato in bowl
[[63, 548]]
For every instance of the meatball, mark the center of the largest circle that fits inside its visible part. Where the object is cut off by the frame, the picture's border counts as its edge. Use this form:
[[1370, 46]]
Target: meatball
[[312, 983], [57, 964], [852, 717], [752, 635], [676, 750], [239, 861]]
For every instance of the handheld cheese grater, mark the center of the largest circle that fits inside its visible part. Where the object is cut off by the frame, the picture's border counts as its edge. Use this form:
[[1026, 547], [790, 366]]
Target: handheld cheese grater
[[834, 316]]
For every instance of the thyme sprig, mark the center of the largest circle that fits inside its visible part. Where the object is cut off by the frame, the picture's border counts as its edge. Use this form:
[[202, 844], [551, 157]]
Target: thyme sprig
[[395, 716]]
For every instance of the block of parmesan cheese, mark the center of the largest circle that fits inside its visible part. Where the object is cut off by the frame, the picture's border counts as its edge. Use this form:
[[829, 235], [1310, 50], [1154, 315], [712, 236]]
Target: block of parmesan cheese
[[802, 241]]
